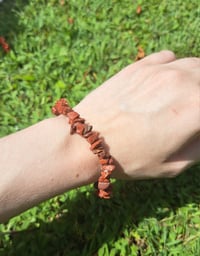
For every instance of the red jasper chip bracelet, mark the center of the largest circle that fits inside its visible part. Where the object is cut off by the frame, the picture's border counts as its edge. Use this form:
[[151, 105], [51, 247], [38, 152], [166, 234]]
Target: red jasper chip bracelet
[[79, 126]]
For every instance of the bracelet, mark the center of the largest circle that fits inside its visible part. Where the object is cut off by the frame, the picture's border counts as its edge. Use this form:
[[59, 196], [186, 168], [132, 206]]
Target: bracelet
[[78, 125]]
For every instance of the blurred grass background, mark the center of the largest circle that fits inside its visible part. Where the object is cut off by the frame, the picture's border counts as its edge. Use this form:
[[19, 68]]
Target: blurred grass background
[[67, 48]]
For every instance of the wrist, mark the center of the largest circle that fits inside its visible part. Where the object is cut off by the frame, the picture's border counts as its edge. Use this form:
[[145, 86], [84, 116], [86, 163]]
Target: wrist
[[79, 166]]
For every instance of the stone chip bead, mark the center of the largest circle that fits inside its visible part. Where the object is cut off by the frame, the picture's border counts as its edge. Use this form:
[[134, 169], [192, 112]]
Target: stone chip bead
[[93, 137], [104, 185], [78, 125], [72, 116]]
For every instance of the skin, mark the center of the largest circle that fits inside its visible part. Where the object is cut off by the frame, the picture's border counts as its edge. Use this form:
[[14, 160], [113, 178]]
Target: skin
[[155, 103], [148, 115]]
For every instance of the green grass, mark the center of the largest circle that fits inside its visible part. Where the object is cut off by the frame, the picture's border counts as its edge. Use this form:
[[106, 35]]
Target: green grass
[[68, 50]]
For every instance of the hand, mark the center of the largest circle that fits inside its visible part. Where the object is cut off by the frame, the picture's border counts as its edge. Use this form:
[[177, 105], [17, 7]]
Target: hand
[[149, 116]]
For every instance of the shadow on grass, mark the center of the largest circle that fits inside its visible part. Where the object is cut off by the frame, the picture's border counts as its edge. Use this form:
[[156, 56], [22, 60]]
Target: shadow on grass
[[9, 26], [90, 222]]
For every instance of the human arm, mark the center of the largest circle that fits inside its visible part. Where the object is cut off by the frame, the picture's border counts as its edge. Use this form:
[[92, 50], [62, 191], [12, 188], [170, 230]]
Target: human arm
[[148, 114]]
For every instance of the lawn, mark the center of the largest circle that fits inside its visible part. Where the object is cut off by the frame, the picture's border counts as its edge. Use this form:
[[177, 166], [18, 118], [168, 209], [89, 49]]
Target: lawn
[[67, 48]]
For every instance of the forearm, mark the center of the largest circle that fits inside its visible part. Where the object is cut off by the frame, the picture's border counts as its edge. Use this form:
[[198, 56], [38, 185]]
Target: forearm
[[40, 162]]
